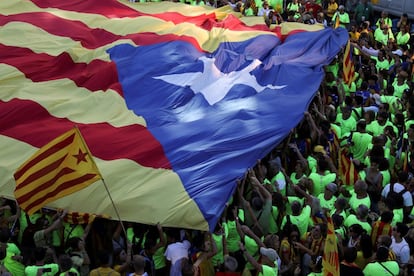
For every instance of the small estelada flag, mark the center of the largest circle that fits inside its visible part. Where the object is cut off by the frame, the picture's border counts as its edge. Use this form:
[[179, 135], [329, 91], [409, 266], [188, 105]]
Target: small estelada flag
[[61, 167]]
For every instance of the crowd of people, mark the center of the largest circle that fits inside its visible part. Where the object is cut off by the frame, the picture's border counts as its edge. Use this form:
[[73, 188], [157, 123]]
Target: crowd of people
[[350, 160]]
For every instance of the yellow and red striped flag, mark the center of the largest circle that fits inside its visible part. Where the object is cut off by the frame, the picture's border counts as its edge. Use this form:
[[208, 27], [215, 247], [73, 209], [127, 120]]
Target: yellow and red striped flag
[[139, 80], [61, 167], [82, 218], [337, 21], [330, 259], [347, 171], [348, 66]]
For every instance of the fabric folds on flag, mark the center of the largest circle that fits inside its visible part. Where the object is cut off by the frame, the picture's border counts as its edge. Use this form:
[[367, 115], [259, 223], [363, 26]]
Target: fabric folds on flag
[[330, 258], [175, 101], [61, 167], [348, 66]]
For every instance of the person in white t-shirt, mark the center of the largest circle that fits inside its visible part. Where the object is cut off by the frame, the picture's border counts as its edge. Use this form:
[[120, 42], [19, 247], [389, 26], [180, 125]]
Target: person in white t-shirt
[[399, 245], [177, 250], [398, 187]]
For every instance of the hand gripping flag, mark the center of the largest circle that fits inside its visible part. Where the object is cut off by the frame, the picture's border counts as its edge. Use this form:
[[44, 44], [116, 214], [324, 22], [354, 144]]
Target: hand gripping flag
[[174, 101], [61, 167]]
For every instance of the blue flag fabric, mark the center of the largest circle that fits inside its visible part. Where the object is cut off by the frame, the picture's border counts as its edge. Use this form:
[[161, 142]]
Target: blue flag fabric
[[215, 114]]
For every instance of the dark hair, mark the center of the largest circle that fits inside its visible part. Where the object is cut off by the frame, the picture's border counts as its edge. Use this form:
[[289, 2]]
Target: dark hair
[[65, 262], [73, 243], [402, 228], [402, 176], [104, 257], [366, 245], [39, 253], [357, 228], [350, 254], [2, 252], [382, 254], [387, 216], [4, 234]]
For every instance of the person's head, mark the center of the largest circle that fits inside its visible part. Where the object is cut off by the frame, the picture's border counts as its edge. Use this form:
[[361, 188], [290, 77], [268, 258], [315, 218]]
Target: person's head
[[346, 112], [361, 125], [382, 254], [296, 207], [291, 231], [340, 203], [330, 190], [104, 258], [65, 262], [257, 203], [387, 216], [138, 263], [269, 255], [350, 254], [230, 263], [355, 230], [400, 230], [2, 252], [275, 165], [318, 231], [365, 245], [39, 254], [362, 211], [272, 241], [360, 187], [384, 240], [74, 243], [402, 177], [4, 235], [120, 255], [337, 220]]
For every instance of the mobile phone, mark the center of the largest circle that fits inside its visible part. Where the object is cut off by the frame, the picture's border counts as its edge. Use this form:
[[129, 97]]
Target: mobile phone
[[47, 269]]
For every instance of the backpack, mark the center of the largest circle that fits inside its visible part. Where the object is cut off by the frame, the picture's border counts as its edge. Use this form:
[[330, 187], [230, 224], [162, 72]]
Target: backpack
[[395, 200]]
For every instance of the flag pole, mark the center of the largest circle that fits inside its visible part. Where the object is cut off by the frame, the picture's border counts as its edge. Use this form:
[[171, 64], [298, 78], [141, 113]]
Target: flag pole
[[103, 180]]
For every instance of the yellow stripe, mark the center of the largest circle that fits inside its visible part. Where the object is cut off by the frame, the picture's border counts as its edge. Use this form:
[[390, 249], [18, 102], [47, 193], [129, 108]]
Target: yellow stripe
[[111, 107], [124, 26], [40, 41], [156, 192]]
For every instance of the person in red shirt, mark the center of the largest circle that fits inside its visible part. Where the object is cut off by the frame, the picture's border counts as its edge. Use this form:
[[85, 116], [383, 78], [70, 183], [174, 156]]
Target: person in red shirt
[[313, 8]]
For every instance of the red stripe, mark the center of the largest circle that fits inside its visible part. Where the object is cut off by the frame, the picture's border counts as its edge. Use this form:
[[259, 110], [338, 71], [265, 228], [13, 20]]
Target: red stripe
[[38, 174], [64, 186], [26, 197], [90, 38], [57, 147], [115, 9], [29, 122], [111, 8], [97, 75]]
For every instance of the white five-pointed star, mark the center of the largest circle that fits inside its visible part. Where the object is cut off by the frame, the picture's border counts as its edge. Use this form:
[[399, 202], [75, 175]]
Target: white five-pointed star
[[213, 84]]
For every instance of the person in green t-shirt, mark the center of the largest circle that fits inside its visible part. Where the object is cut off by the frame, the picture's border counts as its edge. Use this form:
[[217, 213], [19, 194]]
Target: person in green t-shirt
[[382, 266], [40, 266], [327, 198], [359, 141]]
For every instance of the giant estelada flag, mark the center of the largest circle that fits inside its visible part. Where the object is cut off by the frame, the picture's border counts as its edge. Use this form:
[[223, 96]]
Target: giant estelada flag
[[175, 102]]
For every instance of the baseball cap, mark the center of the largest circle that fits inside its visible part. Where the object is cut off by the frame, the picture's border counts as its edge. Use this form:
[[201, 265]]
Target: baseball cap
[[270, 253]]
